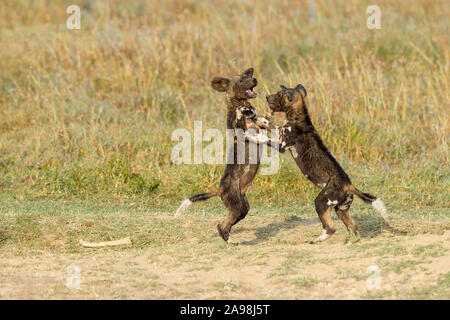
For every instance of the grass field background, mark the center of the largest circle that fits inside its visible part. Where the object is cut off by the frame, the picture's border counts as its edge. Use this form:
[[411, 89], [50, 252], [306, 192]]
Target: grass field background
[[89, 113], [86, 117]]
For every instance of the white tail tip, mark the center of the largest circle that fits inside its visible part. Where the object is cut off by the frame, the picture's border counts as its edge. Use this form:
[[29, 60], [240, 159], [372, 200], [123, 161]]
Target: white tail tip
[[186, 204], [381, 209]]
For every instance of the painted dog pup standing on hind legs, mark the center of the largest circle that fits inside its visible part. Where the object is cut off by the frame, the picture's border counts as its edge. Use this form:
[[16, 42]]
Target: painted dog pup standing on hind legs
[[242, 162], [299, 136]]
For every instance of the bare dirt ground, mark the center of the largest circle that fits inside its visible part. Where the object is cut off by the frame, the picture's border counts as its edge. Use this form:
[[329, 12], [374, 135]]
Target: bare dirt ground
[[269, 259]]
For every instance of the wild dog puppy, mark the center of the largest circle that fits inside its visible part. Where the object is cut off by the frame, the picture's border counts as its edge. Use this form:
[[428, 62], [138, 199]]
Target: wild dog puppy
[[239, 172], [299, 136]]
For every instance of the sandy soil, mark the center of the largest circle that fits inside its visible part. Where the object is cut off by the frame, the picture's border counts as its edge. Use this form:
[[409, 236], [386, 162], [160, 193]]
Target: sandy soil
[[257, 266]]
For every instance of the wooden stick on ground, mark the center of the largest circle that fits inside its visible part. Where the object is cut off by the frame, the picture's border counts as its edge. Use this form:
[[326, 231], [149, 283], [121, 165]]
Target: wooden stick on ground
[[123, 241]]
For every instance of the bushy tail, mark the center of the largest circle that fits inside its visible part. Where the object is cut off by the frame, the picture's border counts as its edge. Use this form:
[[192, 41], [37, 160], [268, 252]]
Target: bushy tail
[[374, 201], [198, 197]]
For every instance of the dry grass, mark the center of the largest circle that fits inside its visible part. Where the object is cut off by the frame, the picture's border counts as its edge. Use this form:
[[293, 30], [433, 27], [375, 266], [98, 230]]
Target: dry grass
[[86, 119], [90, 113], [186, 259]]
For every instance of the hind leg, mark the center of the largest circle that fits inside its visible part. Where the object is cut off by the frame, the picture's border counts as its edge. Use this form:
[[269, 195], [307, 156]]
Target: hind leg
[[245, 208], [327, 230], [323, 208], [342, 212], [224, 227], [249, 174], [238, 208], [349, 223], [236, 202]]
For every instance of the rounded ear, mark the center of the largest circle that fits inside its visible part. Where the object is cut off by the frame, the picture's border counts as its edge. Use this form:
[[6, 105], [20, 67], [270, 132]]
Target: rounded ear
[[248, 73], [301, 89], [283, 87], [220, 84]]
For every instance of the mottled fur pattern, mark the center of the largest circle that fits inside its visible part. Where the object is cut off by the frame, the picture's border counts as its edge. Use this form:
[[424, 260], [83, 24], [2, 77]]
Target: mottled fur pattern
[[237, 177], [299, 136]]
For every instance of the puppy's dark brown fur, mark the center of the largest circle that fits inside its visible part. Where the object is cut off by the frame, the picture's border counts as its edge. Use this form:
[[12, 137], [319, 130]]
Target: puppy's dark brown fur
[[299, 136], [237, 176]]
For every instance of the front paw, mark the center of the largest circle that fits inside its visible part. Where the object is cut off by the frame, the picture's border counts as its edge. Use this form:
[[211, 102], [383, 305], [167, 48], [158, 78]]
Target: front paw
[[263, 122], [248, 135], [256, 138]]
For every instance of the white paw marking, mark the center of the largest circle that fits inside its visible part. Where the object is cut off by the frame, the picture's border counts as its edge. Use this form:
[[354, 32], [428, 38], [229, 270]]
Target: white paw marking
[[322, 237], [334, 202], [257, 138], [229, 239], [293, 151]]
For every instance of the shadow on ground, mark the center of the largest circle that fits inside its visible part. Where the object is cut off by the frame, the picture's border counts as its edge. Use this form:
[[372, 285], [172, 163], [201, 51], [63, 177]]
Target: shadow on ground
[[264, 233], [371, 226], [368, 226]]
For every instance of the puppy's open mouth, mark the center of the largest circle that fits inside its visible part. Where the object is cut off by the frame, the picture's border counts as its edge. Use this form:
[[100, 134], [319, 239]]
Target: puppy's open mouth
[[251, 93]]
